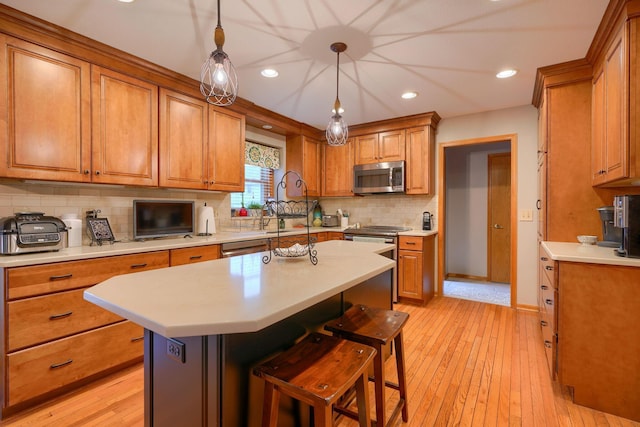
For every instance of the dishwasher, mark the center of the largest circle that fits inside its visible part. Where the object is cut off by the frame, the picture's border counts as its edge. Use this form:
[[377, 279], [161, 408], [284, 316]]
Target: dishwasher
[[243, 248]]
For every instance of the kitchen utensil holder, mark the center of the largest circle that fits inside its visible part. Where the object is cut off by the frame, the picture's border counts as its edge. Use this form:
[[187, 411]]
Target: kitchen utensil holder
[[287, 247]]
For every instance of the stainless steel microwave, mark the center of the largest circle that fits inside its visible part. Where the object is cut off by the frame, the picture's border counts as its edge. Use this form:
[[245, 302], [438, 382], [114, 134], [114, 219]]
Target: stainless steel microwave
[[376, 178]]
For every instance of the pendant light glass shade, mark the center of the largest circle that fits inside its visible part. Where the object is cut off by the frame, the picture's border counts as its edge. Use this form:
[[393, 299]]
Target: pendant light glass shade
[[218, 78], [337, 130]]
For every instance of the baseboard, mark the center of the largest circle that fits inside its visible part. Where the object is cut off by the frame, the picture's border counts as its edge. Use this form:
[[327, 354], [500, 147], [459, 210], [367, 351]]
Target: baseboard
[[526, 307], [465, 276]]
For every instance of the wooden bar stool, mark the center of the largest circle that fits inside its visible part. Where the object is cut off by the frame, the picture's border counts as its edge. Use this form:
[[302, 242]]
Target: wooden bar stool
[[317, 371], [376, 327]]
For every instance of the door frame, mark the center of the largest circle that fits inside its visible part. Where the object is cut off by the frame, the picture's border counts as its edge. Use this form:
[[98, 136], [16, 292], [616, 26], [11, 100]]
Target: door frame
[[513, 144]]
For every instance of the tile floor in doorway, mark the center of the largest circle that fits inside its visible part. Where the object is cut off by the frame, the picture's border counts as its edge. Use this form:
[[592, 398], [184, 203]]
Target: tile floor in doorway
[[489, 292]]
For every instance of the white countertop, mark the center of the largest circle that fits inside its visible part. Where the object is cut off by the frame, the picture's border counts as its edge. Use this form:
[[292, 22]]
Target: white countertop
[[238, 294], [593, 254], [132, 246]]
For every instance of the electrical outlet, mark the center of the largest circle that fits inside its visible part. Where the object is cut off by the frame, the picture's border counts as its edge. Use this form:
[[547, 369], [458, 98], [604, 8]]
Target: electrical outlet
[[526, 215], [175, 350]]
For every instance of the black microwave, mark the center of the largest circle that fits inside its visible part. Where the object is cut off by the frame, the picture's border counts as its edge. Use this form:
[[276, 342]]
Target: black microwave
[[376, 178]]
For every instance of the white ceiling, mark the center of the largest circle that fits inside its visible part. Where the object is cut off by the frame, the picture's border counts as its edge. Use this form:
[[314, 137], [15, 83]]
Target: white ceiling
[[447, 50]]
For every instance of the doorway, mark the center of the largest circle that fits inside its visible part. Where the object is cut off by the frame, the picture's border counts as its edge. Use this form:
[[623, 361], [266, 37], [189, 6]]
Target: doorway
[[465, 217]]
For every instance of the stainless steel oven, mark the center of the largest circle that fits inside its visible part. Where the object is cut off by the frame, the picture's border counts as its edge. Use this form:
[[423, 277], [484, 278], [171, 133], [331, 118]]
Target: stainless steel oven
[[380, 234]]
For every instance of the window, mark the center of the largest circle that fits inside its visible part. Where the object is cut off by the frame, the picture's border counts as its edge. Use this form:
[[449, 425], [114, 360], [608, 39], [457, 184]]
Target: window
[[258, 187]]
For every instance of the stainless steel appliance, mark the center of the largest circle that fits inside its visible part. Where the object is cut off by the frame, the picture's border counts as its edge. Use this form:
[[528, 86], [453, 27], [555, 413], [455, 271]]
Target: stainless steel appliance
[[243, 248], [611, 235], [626, 216], [330, 221], [376, 178], [28, 232], [379, 234]]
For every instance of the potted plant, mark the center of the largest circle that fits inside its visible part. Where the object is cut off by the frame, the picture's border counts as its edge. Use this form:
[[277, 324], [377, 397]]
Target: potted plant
[[255, 208], [242, 211]]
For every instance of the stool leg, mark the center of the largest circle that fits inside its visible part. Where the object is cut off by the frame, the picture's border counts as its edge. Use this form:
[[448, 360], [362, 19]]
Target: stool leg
[[378, 373], [362, 397], [322, 415], [270, 405], [402, 383]]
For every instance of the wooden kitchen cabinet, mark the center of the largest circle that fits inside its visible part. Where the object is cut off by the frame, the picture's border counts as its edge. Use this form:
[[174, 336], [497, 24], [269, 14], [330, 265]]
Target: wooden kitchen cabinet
[[380, 147], [125, 129], [335, 235], [56, 339], [416, 269], [420, 155], [200, 146], [303, 157], [183, 256], [547, 303], [337, 169], [45, 113]]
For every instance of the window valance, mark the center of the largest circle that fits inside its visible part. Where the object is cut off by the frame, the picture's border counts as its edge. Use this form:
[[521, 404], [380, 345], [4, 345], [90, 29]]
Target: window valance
[[261, 155]]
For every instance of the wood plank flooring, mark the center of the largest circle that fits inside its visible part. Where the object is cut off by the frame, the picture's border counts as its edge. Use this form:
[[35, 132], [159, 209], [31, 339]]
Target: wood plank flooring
[[468, 364]]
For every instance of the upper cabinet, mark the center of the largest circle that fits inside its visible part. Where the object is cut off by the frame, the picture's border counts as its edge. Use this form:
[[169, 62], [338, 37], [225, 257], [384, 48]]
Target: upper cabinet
[[125, 129], [63, 120], [303, 156], [615, 145], [201, 147], [380, 147], [45, 113], [420, 154], [337, 169]]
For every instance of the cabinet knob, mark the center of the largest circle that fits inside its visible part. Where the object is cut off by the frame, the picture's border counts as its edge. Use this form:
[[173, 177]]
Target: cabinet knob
[[548, 268], [97, 172], [86, 172], [544, 258], [547, 343], [548, 302], [544, 287], [543, 323]]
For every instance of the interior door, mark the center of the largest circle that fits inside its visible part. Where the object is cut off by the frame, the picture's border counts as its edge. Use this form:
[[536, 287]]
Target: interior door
[[499, 218]]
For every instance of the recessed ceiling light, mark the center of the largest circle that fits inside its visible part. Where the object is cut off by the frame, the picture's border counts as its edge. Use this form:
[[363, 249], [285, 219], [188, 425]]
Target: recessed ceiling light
[[126, 1], [409, 95], [269, 72], [504, 74]]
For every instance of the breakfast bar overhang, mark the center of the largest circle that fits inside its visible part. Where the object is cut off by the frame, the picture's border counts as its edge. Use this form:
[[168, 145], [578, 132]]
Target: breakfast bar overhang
[[207, 324]]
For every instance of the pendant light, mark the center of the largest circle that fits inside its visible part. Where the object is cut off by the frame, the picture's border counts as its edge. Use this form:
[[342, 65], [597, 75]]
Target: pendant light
[[337, 130], [218, 78]]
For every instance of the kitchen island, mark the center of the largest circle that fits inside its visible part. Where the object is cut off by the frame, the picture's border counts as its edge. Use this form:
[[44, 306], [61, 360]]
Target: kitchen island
[[207, 324]]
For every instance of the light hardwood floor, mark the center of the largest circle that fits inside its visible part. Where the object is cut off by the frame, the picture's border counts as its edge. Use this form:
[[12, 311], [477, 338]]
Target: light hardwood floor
[[468, 364]]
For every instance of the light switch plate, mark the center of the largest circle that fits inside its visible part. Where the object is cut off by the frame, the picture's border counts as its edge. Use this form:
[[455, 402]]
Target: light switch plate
[[526, 215]]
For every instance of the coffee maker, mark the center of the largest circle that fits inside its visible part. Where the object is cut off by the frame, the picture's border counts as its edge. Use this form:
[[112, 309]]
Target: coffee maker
[[611, 235], [626, 216]]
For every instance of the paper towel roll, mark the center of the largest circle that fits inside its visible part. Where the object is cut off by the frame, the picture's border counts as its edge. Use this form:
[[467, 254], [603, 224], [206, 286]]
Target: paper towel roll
[[74, 229], [206, 221]]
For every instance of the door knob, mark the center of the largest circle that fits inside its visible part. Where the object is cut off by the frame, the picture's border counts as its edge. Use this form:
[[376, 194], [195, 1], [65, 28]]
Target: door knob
[[497, 226]]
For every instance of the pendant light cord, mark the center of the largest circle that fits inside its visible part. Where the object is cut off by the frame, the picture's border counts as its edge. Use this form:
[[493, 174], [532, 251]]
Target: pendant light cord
[[337, 77], [219, 25]]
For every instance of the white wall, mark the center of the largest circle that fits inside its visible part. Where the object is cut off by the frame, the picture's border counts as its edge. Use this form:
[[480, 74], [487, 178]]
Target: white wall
[[522, 121]]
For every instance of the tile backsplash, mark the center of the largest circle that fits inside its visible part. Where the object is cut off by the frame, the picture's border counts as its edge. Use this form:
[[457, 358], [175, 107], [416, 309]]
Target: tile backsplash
[[115, 204]]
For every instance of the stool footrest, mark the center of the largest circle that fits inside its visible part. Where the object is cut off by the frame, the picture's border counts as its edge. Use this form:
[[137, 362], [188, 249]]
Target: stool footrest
[[389, 384]]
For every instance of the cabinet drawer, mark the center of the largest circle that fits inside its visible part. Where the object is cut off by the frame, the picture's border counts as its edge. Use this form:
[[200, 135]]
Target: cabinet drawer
[[548, 266], [411, 243], [50, 366], [548, 309], [39, 319], [47, 278], [549, 340], [198, 254]]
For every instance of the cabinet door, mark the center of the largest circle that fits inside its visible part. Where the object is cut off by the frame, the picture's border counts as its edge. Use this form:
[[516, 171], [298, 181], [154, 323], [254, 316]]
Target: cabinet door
[[410, 274], [183, 141], [226, 150], [303, 157], [125, 129], [391, 146], [616, 138], [311, 165], [45, 113], [337, 178], [598, 139], [420, 152], [366, 149]]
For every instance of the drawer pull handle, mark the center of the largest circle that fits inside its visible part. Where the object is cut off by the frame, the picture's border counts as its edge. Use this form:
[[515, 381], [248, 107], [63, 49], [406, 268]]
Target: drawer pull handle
[[61, 364], [547, 343], [60, 277], [548, 267], [543, 323], [544, 287], [544, 258], [144, 264], [548, 301], [136, 339], [60, 316], [195, 257], [410, 243]]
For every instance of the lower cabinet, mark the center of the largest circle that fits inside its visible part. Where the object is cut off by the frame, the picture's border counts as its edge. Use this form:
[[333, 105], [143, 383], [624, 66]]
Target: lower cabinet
[[416, 267], [54, 339], [547, 302], [196, 254]]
